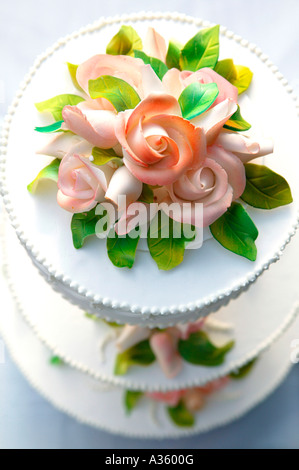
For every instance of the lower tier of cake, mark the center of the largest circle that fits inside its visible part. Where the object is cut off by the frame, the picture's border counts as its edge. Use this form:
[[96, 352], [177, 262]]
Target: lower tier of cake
[[254, 322], [102, 405]]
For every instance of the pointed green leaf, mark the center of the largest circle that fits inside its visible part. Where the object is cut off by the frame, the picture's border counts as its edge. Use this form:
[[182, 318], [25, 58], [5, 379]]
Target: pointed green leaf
[[120, 94], [50, 172], [173, 55], [56, 361], [180, 415], [244, 78], [131, 399], [92, 316], [236, 232], [236, 122], [237, 75], [103, 156], [124, 42], [167, 251], [55, 105], [83, 225], [201, 51], [157, 65], [226, 68], [141, 354], [73, 72], [199, 350], [122, 249], [147, 195], [112, 324], [196, 98], [265, 189], [243, 371], [51, 128]]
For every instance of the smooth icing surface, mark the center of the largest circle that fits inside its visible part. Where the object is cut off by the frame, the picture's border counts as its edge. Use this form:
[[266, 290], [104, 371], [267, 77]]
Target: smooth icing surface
[[208, 277]]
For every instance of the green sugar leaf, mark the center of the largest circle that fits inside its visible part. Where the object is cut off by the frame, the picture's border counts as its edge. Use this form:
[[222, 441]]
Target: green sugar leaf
[[120, 94], [166, 241], [265, 189], [51, 128], [92, 316], [147, 195], [73, 72], [196, 98], [201, 51], [131, 399], [141, 354], [157, 65], [103, 156], [243, 371], [199, 350], [237, 123], [83, 225], [226, 68], [173, 55], [180, 415], [244, 78], [56, 361], [55, 105], [50, 172], [122, 249], [236, 231], [237, 75], [124, 42]]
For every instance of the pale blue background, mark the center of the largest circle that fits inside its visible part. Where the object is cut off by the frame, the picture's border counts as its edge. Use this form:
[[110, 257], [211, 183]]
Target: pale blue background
[[27, 28]]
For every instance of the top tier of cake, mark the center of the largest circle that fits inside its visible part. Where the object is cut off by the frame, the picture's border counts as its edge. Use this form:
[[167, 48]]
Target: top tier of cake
[[209, 276]]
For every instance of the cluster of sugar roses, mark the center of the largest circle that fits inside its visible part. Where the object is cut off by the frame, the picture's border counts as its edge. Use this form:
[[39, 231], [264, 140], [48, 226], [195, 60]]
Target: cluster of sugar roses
[[181, 405], [142, 346], [158, 122]]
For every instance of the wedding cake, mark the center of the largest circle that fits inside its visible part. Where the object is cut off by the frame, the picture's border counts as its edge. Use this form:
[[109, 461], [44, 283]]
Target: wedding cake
[[133, 128]]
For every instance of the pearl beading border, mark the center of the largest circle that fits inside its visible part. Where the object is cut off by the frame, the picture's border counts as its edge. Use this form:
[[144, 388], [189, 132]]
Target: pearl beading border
[[124, 382], [69, 288]]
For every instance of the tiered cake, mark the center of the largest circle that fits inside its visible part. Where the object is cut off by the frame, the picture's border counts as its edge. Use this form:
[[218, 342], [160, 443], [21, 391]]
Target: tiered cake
[[157, 122]]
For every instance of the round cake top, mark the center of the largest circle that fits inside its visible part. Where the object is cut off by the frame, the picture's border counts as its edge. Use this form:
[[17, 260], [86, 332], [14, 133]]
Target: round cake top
[[209, 276]]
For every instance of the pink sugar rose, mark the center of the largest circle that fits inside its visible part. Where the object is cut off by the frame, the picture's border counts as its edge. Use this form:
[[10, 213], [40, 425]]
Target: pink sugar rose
[[81, 184], [92, 123], [175, 81], [193, 400], [123, 183], [64, 142], [155, 45], [193, 397], [184, 330], [221, 178], [164, 346], [158, 144], [211, 186], [213, 120], [125, 67], [171, 398]]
